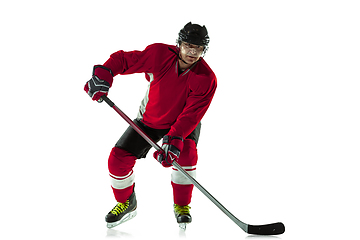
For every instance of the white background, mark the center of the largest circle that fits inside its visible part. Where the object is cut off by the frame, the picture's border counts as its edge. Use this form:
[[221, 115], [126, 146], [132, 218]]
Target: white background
[[280, 141]]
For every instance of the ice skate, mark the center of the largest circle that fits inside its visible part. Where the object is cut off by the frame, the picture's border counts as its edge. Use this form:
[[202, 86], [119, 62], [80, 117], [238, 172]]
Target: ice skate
[[122, 212], [182, 215]]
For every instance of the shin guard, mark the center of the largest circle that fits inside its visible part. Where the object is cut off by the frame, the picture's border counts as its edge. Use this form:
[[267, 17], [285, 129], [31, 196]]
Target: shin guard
[[182, 187], [121, 173]]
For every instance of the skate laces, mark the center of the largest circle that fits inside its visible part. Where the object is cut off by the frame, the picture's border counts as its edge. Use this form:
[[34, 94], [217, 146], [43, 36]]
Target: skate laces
[[182, 209], [120, 207]]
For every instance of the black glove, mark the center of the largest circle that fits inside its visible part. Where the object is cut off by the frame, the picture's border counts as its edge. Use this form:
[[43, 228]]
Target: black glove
[[100, 83]]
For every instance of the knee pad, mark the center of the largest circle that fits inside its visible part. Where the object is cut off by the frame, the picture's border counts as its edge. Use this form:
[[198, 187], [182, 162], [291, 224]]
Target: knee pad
[[188, 156], [121, 173], [120, 162]]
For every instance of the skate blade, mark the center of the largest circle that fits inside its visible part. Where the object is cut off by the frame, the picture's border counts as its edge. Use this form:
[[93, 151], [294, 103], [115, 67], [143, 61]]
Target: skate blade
[[125, 218], [182, 226]]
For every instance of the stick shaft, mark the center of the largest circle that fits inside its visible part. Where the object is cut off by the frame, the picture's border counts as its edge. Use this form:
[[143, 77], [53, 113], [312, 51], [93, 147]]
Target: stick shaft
[[241, 224], [132, 124]]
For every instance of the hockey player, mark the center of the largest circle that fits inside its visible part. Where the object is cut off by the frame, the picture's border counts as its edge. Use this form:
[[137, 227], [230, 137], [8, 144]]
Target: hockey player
[[181, 87]]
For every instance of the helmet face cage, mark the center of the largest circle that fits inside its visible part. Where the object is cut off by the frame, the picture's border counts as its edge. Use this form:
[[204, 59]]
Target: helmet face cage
[[194, 34]]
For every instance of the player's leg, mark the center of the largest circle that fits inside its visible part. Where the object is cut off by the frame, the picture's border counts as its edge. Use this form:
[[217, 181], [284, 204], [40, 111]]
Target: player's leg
[[131, 146], [122, 179], [182, 187]]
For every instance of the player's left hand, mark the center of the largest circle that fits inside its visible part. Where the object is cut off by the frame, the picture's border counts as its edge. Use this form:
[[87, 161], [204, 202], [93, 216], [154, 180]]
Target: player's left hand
[[172, 146]]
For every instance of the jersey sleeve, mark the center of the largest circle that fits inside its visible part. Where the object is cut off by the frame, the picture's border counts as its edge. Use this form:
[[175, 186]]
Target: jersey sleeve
[[200, 97], [122, 62]]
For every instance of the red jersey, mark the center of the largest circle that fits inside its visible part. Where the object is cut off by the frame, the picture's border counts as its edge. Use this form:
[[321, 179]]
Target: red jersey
[[173, 100]]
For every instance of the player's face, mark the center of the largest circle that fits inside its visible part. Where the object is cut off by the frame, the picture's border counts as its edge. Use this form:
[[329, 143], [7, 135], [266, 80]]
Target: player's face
[[190, 52]]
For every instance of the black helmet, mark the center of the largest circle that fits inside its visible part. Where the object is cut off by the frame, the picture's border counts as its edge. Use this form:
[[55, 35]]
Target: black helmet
[[194, 34]]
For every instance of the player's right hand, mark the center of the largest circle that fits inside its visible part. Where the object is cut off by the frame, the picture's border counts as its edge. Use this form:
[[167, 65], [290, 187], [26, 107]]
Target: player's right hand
[[171, 148], [100, 83]]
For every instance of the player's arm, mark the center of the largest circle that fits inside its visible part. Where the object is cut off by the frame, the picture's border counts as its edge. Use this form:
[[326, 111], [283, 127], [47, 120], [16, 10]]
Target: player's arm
[[120, 62]]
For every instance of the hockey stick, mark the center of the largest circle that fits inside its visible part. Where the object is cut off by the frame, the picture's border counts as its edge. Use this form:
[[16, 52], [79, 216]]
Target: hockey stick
[[267, 229]]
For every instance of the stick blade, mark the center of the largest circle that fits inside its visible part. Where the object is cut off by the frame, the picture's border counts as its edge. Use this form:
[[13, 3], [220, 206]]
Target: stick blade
[[268, 229]]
